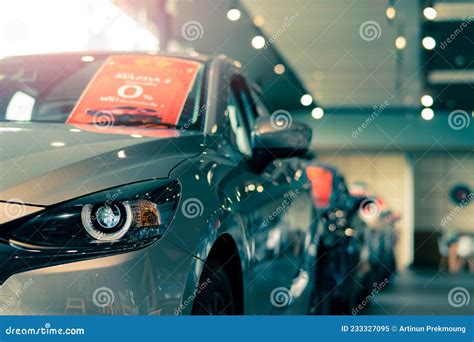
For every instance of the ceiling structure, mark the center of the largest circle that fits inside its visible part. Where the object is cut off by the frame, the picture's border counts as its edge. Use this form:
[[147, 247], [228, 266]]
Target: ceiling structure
[[216, 34], [343, 66]]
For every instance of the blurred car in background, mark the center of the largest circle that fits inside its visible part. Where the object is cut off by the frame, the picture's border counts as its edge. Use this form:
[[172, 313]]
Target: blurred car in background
[[357, 246], [378, 222], [340, 244]]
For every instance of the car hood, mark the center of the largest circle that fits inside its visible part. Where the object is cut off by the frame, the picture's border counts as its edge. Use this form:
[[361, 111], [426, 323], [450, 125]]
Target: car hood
[[43, 164]]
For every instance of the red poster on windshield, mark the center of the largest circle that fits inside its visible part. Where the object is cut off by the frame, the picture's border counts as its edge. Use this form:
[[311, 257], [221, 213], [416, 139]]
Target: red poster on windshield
[[321, 184], [136, 90]]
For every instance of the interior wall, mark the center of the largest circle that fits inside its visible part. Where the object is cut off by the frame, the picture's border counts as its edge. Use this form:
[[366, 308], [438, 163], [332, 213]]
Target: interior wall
[[435, 176], [388, 176]]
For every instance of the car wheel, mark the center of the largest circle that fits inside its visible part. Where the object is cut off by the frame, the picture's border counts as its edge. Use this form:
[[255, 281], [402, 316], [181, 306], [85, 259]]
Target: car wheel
[[322, 297], [214, 293]]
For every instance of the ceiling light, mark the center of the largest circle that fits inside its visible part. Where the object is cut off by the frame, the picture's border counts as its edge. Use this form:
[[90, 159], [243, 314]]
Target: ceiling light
[[430, 13], [400, 42], [279, 69], [258, 42], [391, 12], [317, 113], [87, 58], [427, 100], [427, 114], [306, 100], [429, 43], [258, 21], [233, 14], [58, 144]]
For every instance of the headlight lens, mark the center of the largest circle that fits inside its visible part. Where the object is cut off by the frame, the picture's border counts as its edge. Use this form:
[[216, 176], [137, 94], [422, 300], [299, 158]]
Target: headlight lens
[[107, 222], [120, 218]]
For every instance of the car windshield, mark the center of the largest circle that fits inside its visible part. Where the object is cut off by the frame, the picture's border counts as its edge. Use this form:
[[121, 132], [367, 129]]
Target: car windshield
[[125, 90]]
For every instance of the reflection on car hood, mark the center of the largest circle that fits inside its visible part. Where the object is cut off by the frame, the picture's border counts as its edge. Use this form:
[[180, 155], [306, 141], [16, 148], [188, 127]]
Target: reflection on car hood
[[44, 164]]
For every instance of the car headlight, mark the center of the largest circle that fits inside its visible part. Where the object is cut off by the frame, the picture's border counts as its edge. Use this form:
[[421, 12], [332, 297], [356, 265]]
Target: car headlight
[[127, 217]]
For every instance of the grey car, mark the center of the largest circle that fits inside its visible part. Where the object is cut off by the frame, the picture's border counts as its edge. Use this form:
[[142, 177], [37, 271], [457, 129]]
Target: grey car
[[207, 212]]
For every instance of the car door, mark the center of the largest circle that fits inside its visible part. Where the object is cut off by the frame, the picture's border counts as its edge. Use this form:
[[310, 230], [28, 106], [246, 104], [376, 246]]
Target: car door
[[260, 204], [297, 228]]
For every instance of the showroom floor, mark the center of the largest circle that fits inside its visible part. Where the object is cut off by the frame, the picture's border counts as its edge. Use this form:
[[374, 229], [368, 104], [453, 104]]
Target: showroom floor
[[422, 292]]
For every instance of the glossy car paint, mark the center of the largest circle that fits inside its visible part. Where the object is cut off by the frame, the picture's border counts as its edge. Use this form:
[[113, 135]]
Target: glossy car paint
[[234, 201]]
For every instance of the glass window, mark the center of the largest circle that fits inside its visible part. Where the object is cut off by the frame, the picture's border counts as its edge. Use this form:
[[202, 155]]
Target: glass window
[[239, 134], [260, 104]]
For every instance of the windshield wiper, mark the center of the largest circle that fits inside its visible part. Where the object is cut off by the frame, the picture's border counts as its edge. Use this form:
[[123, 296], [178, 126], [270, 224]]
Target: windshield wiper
[[148, 124]]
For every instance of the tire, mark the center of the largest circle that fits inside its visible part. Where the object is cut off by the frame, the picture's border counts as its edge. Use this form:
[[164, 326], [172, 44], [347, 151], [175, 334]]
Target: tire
[[322, 297], [214, 293]]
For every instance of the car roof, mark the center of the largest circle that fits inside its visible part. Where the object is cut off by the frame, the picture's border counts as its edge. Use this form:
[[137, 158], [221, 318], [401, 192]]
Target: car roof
[[191, 56]]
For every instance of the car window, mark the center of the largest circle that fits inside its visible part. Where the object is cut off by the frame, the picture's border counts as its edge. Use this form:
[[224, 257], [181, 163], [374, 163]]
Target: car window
[[260, 104], [239, 134], [241, 115]]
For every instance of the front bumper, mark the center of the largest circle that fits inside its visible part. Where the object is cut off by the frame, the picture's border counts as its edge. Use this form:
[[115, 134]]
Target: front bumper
[[150, 281]]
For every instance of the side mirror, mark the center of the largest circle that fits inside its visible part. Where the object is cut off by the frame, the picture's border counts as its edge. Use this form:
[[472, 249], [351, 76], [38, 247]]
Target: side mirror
[[270, 141]]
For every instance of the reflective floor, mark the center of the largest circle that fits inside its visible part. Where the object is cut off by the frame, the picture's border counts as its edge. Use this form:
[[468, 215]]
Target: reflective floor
[[423, 292]]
